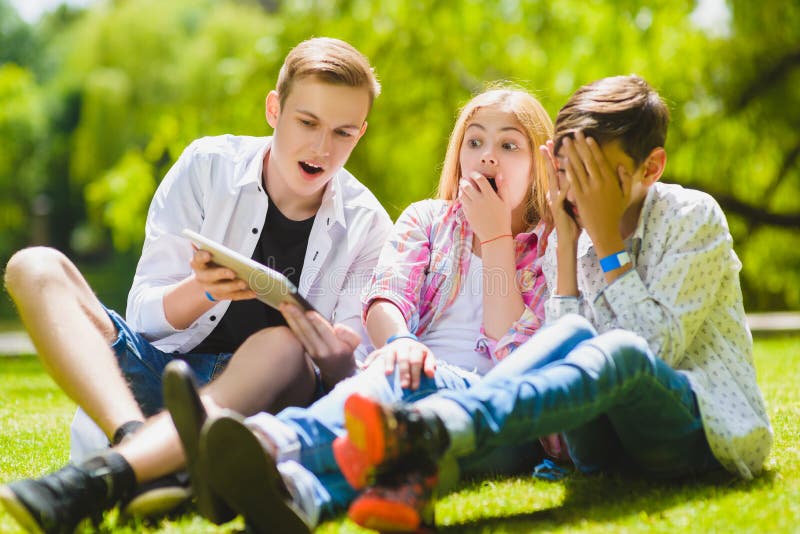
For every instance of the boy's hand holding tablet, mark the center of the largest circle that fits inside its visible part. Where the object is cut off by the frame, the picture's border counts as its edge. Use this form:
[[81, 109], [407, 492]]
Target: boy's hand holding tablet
[[237, 277]]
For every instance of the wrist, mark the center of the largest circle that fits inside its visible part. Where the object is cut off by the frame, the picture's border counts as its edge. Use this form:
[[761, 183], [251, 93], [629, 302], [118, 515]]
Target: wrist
[[403, 335], [606, 245], [496, 238], [615, 261]]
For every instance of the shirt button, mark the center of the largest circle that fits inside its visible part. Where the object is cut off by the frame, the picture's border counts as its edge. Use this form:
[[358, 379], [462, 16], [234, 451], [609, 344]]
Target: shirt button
[[254, 230], [213, 317]]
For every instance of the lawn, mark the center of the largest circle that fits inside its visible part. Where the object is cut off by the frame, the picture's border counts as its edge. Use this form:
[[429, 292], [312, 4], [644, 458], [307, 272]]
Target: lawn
[[35, 416]]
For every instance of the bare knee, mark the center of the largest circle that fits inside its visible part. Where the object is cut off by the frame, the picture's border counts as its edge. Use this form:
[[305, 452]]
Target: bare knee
[[33, 267]]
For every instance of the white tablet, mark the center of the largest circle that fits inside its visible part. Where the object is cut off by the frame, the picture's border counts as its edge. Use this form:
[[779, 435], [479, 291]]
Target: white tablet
[[271, 287]]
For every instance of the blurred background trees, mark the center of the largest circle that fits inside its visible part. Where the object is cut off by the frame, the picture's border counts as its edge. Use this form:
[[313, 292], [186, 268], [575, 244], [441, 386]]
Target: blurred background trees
[[96, 104]]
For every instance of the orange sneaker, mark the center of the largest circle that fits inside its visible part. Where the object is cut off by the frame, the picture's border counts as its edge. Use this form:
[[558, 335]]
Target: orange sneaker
[[379, 436], [407, 506]]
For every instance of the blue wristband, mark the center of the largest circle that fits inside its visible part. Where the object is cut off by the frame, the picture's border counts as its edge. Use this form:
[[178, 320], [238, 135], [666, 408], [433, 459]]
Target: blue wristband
[[209, 297], [615, 261], [395, 337]]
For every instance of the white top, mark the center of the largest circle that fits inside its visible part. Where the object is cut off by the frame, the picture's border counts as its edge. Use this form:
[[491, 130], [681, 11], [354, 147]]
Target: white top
[[683, 296], [215, 188], [454, 337]]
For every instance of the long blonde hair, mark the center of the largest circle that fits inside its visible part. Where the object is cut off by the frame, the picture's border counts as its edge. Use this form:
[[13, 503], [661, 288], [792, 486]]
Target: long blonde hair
[[538, 128]]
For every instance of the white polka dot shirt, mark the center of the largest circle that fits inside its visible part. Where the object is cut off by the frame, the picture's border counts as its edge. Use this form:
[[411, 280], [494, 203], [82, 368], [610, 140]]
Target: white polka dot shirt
[[683, 296]]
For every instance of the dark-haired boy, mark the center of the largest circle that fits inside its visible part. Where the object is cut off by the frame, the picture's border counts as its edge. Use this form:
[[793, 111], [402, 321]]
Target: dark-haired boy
[[646, 364]]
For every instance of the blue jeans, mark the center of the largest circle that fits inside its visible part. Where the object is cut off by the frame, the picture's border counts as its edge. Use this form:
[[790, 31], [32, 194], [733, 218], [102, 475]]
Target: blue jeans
[[619, 406], [142, 365], [318, 425]]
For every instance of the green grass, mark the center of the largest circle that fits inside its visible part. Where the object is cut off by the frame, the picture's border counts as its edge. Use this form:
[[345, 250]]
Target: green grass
[[35, 416]]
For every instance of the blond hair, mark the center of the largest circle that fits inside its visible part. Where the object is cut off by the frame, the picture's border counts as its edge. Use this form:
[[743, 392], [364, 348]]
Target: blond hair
[[538, 128], [331, 61]]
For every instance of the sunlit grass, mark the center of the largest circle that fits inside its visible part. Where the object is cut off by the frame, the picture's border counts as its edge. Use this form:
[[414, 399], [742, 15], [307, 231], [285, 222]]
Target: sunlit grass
[[34, 436]]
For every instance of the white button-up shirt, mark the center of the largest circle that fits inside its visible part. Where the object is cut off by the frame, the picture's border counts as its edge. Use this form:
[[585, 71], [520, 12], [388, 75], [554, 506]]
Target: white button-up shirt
[[215, 188], [683, 296]]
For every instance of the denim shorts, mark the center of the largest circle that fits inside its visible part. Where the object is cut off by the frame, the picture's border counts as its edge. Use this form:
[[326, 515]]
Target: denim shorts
[[142, 364]]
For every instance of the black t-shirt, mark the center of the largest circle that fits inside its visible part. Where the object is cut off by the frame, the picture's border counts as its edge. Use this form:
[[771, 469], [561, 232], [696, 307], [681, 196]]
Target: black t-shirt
[[281, 246]]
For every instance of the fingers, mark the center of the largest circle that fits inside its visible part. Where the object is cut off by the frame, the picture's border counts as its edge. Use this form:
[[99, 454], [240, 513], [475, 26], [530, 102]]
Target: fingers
[[314, 332], [300, 326], [552, 178], [592, 158], [411, 359], [404, 369], [220, 282], [576, 172], [625, 181], [482, 183], [468, 190], [476, 184], [371, 357], [229, 290], [429, 366], [389, 358], [347, 335], [412, 365]]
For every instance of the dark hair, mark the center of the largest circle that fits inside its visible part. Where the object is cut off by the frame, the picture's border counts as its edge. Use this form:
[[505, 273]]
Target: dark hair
[[620, 107]]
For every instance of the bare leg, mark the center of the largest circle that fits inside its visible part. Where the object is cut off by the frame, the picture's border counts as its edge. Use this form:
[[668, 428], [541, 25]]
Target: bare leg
[[72, 334], [269, 372]]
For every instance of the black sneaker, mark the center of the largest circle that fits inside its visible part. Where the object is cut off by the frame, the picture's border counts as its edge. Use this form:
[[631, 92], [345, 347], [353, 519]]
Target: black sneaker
[[182, 400], [160, 497], [379, 437], [243, 473], [58, 502]]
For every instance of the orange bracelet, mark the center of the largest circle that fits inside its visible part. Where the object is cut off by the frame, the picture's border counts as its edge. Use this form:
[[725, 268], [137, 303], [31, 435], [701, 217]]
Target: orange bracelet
[[495, 238]]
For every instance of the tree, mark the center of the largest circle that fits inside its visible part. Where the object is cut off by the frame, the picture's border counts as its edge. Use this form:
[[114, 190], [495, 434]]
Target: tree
[[122, 104]]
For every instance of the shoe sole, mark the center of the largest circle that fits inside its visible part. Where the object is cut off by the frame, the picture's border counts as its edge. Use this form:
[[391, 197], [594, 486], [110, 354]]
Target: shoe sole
[[188, 415], [19, 511], [352, 463], [244, 474], [364, 420], [158, 502], [384, 516]]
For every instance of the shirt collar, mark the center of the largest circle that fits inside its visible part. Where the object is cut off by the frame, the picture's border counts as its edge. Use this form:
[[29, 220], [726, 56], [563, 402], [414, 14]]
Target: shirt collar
[[649, 200], [332, 205], [254, 166]]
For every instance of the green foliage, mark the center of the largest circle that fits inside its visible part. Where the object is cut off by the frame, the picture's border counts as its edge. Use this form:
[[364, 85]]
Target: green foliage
[[22, 124], [35, 414], [121, 88]]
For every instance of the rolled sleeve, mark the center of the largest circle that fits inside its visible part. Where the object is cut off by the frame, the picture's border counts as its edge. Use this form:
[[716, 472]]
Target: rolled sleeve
[[402, 265], [151, 318], [521, 330], [623, 296], [558, 306]]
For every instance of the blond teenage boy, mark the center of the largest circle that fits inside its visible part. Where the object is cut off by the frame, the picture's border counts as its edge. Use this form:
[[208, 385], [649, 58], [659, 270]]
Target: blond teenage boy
[[286, 201]]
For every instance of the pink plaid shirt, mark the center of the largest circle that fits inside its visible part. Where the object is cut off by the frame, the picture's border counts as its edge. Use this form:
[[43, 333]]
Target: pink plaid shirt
[[423, 263]]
